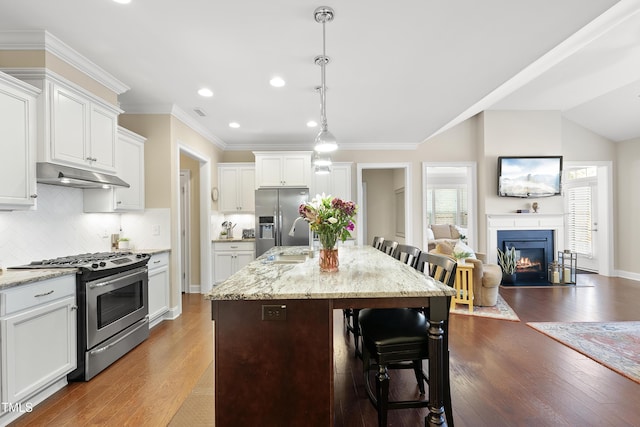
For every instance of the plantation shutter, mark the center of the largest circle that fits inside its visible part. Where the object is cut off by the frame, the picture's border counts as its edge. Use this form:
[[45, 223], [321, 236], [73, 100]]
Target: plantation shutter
[[446, 205], [579, 219]]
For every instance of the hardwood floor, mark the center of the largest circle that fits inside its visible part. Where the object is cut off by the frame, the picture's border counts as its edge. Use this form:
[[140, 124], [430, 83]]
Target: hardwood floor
[[146, 386], [503, 373]]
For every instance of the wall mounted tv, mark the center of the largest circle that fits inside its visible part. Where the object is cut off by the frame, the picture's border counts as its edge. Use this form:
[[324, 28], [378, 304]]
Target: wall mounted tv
[[529, 176]]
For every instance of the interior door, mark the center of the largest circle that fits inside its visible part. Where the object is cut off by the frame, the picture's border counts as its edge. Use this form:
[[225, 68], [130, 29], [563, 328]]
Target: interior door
[[581, 207]]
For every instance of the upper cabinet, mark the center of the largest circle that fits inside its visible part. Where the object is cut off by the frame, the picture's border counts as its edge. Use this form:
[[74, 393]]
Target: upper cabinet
[[75, 128], [130, 167], [17, 143], [283, 169], [237, 187], [337, 183]]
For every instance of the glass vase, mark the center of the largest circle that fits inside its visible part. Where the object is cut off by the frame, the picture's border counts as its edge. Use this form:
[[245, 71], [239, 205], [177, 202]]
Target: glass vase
[[328, 260]]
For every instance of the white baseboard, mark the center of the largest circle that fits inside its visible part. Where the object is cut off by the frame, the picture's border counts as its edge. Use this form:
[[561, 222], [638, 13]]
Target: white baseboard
[[628, 275], [194, 289]]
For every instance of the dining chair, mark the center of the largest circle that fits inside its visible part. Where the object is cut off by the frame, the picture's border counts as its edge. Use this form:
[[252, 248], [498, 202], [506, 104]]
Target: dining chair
[[397, 338], [389, 247], [377, 242], [407, 254]]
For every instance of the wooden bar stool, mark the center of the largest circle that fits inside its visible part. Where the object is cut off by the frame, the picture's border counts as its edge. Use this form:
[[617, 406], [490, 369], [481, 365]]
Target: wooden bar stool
[[463, 286]]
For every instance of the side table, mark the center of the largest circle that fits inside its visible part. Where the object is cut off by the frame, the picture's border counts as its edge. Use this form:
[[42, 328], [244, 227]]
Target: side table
[[463, 286]]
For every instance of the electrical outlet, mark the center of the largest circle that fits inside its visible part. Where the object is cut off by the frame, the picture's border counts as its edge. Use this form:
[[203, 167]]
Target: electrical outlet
[[155, 230], [274, 312]]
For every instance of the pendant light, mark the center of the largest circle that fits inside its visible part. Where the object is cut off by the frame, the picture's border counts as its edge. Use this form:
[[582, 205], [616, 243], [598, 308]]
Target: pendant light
[[325, 141]]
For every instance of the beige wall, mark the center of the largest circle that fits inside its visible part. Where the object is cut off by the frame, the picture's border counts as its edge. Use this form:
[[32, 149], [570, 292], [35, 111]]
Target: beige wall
[[380, 203], [628, 227]]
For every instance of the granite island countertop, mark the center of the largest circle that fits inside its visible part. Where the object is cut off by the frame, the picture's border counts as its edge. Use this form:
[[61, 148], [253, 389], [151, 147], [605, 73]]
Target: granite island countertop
[[364, 272]]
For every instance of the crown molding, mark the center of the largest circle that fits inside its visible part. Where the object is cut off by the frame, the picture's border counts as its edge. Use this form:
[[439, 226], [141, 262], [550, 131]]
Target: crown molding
[[178, 113], [43, 40]]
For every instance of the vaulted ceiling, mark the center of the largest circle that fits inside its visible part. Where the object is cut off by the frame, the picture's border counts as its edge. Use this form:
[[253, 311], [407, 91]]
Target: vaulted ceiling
[[399, 73]]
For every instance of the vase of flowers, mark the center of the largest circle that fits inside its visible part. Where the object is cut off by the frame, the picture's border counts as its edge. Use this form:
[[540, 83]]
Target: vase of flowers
[[331, 219]]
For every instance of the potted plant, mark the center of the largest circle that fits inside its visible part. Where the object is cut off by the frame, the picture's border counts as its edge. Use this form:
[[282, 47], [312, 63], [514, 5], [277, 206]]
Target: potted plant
[[507, 261]]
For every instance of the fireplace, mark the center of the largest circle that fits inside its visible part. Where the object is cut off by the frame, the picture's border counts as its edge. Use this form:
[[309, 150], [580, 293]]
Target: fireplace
[[534, 252]]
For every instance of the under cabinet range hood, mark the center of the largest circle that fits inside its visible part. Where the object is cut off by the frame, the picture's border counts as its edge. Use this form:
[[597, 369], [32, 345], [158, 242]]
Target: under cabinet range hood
[[51, 173]]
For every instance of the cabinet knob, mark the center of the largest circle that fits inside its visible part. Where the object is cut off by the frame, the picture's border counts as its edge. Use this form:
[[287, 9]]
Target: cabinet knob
[[119, 202], [34, 196]]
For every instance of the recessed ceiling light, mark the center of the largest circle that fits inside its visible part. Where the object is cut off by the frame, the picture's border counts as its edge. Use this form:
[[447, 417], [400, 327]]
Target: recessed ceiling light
[[312, 124], [122, 1], [277, 82], [207, 93], [234, 125]]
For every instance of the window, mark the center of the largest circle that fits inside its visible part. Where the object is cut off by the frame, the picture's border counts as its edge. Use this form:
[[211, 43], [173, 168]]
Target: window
[[579, 193], [447, 205]]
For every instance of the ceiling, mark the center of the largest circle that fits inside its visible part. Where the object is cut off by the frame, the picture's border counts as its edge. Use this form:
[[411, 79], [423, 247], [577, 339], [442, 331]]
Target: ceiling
[[398, 74]]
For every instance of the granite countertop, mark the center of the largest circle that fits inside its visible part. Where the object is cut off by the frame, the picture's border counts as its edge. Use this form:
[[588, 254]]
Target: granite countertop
[[364, 272], [12, 278]]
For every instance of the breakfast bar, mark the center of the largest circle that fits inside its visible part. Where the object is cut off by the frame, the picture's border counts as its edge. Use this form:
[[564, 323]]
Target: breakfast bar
[[273, 332]]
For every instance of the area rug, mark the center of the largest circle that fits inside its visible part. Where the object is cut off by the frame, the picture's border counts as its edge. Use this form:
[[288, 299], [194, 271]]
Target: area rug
[[501, 310], [615, 345], [197, 409]]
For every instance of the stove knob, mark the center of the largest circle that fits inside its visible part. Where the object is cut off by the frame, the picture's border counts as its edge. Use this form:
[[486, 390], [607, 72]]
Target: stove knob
[[94, 265], [102, 263], [138, 255]]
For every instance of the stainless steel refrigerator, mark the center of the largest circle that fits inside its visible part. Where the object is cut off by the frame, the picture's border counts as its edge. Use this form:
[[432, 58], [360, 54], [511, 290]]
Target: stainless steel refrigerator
[[276, 215]]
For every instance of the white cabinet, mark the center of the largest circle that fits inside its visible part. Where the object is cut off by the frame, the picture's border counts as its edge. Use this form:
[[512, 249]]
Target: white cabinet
[[130, 167], [229, 257], [38, 333], [17, 143], [283, 168], [75, 127], [158, 287], [237, 187], [337, 183], [83, 132]]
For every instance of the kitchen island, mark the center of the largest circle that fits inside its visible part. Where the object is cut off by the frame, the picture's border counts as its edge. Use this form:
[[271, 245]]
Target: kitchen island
[[273, 332]]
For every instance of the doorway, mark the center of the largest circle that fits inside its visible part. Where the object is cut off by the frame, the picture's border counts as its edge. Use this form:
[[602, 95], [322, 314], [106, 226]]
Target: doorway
[[389, 188], [185, 230], [449, 192], [587, 196]]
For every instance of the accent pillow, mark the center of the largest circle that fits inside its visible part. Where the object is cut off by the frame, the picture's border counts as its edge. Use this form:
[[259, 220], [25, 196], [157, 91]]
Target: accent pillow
[[462, 249], [444, 248], [430, 235], [453, 230], [441, 231]]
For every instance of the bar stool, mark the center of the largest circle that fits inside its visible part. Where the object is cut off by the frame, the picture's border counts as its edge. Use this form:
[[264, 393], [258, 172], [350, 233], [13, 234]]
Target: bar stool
[[398, 338]]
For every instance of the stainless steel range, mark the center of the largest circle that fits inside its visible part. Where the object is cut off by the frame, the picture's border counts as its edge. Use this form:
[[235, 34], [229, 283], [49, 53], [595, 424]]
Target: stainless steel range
[[113, 310]]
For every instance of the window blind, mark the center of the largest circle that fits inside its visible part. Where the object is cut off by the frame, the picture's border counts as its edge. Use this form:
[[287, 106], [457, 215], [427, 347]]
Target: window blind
[[579, 220]]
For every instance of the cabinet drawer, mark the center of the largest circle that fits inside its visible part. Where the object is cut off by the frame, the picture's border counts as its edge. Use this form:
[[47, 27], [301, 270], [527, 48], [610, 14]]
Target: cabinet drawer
[[33, 294], [158, 260], [233, 246]]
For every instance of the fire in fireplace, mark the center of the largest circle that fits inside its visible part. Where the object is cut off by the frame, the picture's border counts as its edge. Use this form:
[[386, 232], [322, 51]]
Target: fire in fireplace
[[534, 252]]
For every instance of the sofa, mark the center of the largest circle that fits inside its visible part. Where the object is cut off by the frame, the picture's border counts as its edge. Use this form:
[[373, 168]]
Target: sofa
[[486, 277], [438, 233]]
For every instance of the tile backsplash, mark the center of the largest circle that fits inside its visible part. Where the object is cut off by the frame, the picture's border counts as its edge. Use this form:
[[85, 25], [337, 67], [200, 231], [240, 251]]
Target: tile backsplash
[[59, 227]]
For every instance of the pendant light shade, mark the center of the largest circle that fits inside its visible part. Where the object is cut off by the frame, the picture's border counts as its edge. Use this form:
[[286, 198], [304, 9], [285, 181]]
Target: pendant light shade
[[322, 170], [321, 159], [325, 142]]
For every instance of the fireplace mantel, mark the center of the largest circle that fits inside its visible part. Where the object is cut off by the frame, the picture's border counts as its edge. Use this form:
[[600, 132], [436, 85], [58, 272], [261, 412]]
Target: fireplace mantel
[[531, 221]]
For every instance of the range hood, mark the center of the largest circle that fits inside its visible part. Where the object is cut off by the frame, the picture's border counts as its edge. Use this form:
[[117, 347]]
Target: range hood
[[50, 173]]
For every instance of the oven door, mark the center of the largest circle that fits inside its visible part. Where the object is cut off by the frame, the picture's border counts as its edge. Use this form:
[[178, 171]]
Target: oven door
[[115, 303]]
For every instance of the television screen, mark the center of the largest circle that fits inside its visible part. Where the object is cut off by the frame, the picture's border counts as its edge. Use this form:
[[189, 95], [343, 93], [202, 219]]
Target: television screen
[[529, 176]]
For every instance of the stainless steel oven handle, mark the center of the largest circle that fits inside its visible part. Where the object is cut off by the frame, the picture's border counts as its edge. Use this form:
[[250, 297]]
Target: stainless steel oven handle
[[117, 279], [108, 346]]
